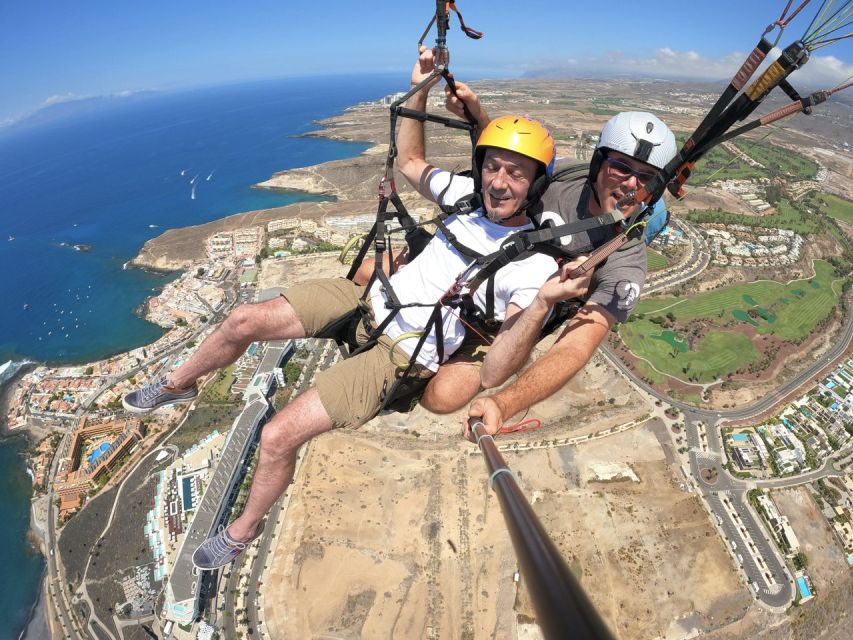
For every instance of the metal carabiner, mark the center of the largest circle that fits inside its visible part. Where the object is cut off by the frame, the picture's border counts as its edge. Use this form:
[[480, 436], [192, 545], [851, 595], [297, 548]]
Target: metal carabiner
[[461, 281], [770, 28], [392, 182]]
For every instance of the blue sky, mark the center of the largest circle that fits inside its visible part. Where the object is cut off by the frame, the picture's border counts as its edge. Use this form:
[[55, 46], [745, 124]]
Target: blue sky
[[52, 50]]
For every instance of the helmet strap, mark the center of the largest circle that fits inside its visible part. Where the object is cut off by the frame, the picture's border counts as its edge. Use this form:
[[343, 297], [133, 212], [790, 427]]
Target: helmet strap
[[598, 157], [594, 193]]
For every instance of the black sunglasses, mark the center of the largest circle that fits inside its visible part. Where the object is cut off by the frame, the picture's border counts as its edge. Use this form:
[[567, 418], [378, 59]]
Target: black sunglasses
[[624, 170]]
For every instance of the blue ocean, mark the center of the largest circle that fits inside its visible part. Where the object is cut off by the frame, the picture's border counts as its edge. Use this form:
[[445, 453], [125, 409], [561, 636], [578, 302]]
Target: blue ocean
[[112, 178], [79, 196]]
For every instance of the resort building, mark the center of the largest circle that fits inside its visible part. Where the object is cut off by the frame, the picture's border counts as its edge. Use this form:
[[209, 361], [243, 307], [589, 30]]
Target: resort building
[[184, 585], [106, 441], [283, 225], [221, 245], [779, 525], [248, 242]]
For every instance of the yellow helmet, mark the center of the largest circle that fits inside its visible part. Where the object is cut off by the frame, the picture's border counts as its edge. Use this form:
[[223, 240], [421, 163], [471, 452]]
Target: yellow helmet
[[522, 135]]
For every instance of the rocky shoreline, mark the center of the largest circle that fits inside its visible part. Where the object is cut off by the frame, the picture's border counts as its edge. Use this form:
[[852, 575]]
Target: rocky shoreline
[[6, 389], [36, 626], [339, 187]]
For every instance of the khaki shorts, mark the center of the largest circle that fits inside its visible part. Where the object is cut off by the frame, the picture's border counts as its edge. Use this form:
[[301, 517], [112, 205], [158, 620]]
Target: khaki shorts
[[351, 390], [472, 351]]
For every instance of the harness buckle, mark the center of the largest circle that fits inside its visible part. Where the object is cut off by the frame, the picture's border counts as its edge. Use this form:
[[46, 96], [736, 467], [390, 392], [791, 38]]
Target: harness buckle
[[467, 204]]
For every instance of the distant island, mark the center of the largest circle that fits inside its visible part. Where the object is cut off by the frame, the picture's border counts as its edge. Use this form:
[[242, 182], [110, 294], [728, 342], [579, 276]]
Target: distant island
[[77, 247]]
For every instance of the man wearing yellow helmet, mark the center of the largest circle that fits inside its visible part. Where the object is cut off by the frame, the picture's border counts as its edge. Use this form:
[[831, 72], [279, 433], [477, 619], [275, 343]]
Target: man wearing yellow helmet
[[632, 147], [514, 160]]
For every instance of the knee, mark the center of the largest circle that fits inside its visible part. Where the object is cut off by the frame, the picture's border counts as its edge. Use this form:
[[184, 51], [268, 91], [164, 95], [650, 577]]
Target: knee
[[443, 397], [277, 440], [240, 323], [439, 405]]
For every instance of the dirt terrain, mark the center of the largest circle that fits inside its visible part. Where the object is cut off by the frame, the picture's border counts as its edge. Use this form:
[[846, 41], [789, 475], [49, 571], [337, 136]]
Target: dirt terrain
[[827, 563], [391, 530], [412, 542]]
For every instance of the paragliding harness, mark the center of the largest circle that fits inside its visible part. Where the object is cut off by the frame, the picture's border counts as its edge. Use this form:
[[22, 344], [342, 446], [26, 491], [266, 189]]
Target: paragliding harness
[[641, 226]]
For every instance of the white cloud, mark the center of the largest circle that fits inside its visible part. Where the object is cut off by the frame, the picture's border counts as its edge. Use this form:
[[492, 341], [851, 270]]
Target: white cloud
[[72, 97], [820, 71], [824, 72], [60, 98], [64, 98]]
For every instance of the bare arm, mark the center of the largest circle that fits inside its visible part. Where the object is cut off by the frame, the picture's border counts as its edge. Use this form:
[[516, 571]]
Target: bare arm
[[548, 374], [518, 336], [513, 344], [411, 149]]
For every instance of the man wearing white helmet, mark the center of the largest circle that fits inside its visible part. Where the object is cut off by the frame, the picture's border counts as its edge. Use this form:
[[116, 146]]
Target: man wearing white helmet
[[632, 148]]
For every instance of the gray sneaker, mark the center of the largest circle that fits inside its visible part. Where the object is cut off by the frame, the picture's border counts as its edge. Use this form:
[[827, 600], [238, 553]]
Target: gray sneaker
[[155, 395], [221, 549]]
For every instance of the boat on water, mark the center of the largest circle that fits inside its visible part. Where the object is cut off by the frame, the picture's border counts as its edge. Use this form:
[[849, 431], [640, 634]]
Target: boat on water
[[11, 238], [192, 194]]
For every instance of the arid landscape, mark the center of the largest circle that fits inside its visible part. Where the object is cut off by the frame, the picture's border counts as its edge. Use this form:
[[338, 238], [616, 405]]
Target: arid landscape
[[391, 531]]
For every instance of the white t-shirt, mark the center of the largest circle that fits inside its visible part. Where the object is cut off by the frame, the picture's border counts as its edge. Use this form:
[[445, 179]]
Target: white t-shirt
[[434, 271]]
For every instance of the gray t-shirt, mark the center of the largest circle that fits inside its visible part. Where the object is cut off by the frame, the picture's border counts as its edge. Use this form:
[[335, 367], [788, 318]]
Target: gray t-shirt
[[617, 283]]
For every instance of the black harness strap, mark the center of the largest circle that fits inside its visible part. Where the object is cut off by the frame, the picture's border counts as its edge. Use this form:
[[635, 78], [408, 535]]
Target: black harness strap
[[526, 243]]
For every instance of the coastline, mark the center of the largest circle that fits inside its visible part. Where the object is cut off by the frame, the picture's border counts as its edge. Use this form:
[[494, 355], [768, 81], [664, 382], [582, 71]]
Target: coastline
[[35, 627], [6, 389], [183, 247]]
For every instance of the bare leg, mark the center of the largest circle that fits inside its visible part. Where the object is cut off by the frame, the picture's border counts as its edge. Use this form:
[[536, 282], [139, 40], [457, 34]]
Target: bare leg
[[281, 438], [452, 387], [270, 320]]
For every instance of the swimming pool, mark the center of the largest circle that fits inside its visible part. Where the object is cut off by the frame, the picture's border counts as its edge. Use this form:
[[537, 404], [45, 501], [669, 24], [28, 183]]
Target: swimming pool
[[740, 437], [804, 587], [186, 484], [100, 450]]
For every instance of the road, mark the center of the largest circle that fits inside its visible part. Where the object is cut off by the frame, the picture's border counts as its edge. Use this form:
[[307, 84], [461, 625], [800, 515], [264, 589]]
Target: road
[[738, 521], [62, 599], [726, 496], [728, 503], [56, 581]]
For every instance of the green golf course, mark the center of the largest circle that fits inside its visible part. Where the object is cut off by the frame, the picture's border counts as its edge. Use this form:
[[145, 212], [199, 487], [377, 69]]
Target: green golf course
[[701, 339]]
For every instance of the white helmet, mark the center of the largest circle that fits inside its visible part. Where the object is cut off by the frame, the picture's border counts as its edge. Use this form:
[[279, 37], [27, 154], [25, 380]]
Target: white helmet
[[640, 135]]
